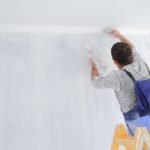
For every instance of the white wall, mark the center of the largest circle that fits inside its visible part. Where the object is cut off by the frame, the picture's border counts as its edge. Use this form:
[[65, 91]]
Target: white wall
[[47, 101], [126, 13]]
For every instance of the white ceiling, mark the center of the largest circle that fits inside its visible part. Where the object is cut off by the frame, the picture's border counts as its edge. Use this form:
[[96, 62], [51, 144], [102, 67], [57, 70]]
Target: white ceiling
[[126, 13]]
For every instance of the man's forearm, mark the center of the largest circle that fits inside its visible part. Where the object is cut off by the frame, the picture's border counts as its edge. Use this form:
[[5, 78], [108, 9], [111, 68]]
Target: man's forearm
[[123, 39], [94, 73]]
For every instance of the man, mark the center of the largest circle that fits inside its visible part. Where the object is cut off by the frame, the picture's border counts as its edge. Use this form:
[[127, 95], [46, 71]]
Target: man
[[125, 57]]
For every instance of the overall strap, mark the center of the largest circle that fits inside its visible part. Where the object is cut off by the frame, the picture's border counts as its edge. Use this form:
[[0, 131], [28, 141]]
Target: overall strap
[[130, 75], [147, 68]]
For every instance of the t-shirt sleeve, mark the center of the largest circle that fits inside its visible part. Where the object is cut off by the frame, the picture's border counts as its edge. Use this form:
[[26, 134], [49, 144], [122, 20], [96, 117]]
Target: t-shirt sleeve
[[110, 80]]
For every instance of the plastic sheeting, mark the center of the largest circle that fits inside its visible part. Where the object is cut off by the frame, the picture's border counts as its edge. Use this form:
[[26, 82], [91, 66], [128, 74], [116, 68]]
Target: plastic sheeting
[[47, 101]]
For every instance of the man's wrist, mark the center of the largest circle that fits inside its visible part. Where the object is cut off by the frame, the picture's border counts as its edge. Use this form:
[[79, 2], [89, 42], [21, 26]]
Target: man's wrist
[[94, 68], [121, 37]]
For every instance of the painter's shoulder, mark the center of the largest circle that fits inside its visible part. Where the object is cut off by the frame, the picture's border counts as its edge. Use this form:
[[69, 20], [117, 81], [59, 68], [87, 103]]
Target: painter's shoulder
[[117, 73]]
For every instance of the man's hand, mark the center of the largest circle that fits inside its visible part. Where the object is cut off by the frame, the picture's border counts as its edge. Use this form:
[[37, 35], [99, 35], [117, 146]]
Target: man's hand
[[94, 71], [116, 33], [92, 63]]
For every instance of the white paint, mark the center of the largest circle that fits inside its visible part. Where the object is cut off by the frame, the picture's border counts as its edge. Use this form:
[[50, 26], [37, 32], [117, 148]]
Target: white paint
[[123, 13], [69, 29], [47, 101]]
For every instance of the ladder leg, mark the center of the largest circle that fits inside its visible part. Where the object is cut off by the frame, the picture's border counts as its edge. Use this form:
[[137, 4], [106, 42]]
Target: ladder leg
[[145, 146], [115, 146], [129, 148]]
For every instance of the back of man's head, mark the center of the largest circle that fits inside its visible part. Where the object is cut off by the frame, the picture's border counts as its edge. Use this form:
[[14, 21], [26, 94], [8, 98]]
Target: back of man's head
[[122, 53]]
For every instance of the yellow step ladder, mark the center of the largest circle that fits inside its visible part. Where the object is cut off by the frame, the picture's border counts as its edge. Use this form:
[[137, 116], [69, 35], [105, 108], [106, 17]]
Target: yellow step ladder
[[140, 141]]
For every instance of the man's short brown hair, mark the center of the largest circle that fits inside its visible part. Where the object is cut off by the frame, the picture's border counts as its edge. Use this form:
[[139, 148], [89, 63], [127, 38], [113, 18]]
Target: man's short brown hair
[[122, 53]]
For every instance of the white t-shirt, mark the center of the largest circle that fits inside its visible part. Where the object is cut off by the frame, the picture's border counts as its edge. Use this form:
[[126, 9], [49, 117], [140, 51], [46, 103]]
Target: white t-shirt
[[122, 84]]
